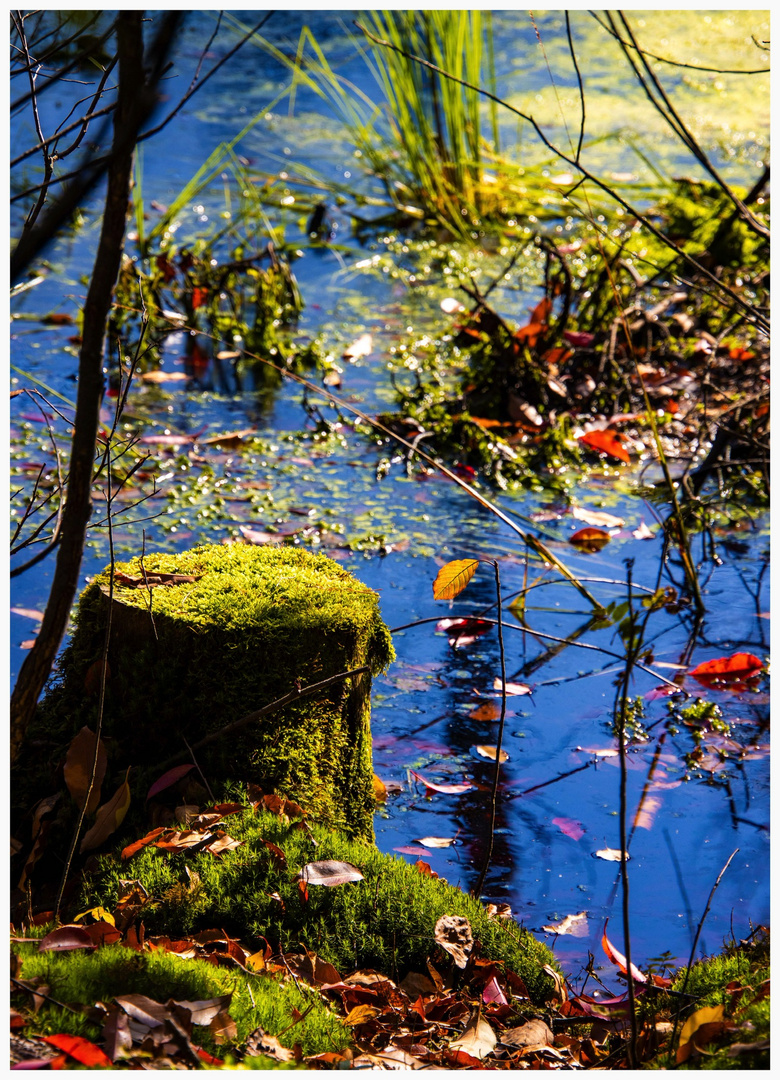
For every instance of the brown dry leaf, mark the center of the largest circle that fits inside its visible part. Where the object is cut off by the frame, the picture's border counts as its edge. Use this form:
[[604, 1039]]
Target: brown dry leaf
[[597, 517], [533, 1033], [703, 1025], [498, 911], [561, 994], [576, 925], [453, 933], [259, 1043], [362, 346], [329, 872], [223, 1027], [222, 844], [415, 985], [203, 1012], [231, 440], [490, 752], [180, 841], [478, 1039], [361, 1014], [78, 768], [487, 712], [109, 817]]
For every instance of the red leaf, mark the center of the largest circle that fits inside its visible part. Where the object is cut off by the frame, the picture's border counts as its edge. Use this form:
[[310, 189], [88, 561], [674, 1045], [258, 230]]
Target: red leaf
[[463, 631], [727, 669], [618, 959], [589, 539], [66, 937], [579, 338], [166, 268], [541, 312], [606, 442], [199, 297], [82, 1050], [445, 789], [569, 826], [557, 356], [741, 354], [424, 868], [529, 335], [168, 779]]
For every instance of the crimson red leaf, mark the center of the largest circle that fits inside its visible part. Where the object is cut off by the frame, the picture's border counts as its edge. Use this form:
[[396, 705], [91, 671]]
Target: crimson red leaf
[[168, 779], [727, 669], [606, 442], [579, 338], [569, 826], [82, 1050]]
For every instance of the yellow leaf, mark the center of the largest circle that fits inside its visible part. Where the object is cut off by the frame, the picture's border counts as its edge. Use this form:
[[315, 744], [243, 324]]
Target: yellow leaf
[[361, 1014], [380, 791], [711, 1015], [109, 817], [453, 578]]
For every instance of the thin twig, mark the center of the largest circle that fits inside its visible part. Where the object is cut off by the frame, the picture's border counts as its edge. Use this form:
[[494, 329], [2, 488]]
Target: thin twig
[[502, 718], [695, 943], [200, 771]]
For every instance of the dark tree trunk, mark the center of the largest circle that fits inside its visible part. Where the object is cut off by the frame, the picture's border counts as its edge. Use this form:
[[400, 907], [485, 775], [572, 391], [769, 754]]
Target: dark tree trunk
[[131, 108]]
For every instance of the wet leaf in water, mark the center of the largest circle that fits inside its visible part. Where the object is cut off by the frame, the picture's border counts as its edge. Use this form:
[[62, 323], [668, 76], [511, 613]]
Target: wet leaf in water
[[611, 855], [487, 712], [362, 346], [597, 517], [453, 578], [606, 442], [575, 925], [490, 753], [727, 670], [462, 632], [444, 789], [513, 689], [642, 532], [589, 539], [436, 841], [570, 827]]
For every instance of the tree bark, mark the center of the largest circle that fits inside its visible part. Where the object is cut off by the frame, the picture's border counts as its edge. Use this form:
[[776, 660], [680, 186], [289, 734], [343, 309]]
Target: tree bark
[[130, 110]]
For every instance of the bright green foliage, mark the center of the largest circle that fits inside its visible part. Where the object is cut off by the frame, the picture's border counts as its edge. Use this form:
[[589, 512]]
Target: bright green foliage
[[385, 922], [210, 651], [79, 978]]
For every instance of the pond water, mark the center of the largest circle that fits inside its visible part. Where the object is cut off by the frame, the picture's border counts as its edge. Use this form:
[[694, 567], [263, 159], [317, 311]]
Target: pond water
[[559, 791]]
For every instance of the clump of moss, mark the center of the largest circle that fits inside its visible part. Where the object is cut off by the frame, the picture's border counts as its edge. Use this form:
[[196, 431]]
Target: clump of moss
[[78, 978], [385, 922], [243, 627]]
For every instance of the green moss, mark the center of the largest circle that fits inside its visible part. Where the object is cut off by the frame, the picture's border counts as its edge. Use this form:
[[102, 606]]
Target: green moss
[[385, 922], [79, 978], [188, 659]]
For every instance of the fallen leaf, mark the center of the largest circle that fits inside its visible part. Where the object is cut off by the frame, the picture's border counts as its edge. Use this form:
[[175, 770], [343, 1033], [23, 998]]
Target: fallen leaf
[[611, 855], [380, 790], [231, 440], [28, 613], [329, 872], [255, 536], [489, 711], [569, 826], [532, 1033], [606, 441], [493, 994], [618, 959], [498, 911], [436, 841], [361, 1014], [575, 925], [168, 779], [163, 376], [77, 769], [80, 1049], [453, 933], [642, 532], [513, 689], [697, 1024], [580, 339], [462, 632], [453, 578], [109, 817], [65, 938], [478, 1039], [490, 752], [260, 1043], [597, 517], [589, 539], [444, 789], [727, 670], [362, 346]]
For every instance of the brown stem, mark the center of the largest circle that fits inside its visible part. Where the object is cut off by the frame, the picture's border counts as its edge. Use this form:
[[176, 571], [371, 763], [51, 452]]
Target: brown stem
[[78, 505]]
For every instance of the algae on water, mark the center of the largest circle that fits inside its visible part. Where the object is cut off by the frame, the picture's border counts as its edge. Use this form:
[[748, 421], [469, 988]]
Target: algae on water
[[187, 659]]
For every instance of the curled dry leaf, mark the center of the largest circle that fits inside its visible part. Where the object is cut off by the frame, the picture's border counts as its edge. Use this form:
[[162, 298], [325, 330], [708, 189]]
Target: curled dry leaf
[[589, 539], [498, 911], [329, 872], [490, 752], [618, 959], [532, 1033], [453, 933], [453, 578], [478, 1040]]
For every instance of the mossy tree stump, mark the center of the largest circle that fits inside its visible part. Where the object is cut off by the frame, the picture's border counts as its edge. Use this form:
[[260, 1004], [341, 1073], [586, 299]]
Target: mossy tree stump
[[190, 657]]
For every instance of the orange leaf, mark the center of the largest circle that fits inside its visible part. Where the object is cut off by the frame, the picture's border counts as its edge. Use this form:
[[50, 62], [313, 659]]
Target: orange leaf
[[589, 539], [618, 958], [541, 312], [529, 335], [453, 578], [82, 1050], [727, 669], [557, 355], [133, 849], [606, 442]]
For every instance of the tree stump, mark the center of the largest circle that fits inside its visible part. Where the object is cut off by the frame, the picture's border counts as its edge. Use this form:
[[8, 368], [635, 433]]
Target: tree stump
[[201, 638]]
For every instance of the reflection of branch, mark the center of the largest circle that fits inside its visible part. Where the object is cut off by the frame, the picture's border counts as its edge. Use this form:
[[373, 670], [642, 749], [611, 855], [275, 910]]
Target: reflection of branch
[[579, 83], [747, 308], [57, 76]]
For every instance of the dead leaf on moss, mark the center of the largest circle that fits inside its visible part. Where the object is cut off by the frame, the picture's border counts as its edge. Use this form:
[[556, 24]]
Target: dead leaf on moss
[[260, 1043], [77, 769], [109, 817], [453, 933], [532, 1033], [478, 1040]]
